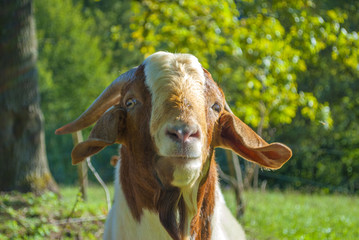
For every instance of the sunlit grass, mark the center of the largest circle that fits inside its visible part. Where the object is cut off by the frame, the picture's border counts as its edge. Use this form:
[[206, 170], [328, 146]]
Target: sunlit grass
[[269, 215], [292, 215], [96, 198]]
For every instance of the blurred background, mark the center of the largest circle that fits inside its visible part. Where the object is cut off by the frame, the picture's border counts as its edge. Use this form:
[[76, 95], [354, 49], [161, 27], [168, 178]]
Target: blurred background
[[289, 69]]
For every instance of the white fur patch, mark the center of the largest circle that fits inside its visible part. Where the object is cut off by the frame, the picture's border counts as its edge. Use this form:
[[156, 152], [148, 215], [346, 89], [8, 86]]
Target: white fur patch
[[162, 67], [169, 75], [183, 175], [224, 225], [120, 224]]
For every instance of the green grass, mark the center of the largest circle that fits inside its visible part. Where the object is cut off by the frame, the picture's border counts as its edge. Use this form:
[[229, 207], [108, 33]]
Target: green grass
[[292, 215], [26, 216], [269, 215], [96, 198]]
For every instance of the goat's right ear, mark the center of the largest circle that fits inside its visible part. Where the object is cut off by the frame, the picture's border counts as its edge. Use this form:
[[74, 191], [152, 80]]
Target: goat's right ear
[[108, 130]]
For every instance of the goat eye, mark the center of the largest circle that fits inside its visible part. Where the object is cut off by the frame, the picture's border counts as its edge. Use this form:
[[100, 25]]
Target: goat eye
[[130, 103], [216, 107]]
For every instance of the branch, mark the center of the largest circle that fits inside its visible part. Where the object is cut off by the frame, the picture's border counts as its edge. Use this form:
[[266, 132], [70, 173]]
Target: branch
[[78, 220], [93, 170], [227, 178]]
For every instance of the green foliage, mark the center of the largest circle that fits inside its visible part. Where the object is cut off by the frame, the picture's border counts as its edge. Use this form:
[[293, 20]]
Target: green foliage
[[26, 216], [112, 19], [183, 26], [290, 215], [289, 68], [274, 59], [252, 55], [268, 92], [321, 153], [73, 71]]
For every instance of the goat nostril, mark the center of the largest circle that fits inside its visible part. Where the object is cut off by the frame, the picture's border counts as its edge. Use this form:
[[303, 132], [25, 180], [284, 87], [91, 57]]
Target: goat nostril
[[173, 134], [182, 135], [195, 135]]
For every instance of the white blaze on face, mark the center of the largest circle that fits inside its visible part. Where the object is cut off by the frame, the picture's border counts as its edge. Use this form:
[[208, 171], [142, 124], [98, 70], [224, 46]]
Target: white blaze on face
[[176, 83]]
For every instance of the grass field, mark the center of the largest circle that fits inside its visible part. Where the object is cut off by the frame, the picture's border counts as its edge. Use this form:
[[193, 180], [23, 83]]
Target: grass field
[[269, 215], [292, 215]]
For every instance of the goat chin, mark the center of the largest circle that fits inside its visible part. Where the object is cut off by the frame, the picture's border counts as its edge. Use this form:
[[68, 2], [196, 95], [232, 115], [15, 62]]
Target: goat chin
[[178, 171]]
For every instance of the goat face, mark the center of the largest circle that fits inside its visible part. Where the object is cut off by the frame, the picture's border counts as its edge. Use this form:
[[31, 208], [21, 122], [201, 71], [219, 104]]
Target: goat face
[[171, 111], [178, 122]]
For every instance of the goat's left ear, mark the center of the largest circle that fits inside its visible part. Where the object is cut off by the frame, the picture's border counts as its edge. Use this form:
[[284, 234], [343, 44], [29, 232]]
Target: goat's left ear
[[233, 134], [108, 130]]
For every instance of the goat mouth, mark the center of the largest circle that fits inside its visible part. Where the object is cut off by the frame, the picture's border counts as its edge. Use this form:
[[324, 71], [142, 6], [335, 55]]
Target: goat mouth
[[180, 157]]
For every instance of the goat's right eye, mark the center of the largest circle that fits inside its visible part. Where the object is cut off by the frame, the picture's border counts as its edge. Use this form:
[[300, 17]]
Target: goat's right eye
[[216, 107], [130, 103]]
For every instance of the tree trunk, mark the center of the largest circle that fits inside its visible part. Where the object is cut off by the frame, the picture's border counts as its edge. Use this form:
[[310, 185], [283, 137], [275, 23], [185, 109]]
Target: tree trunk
[[23, 162], [236, 173]]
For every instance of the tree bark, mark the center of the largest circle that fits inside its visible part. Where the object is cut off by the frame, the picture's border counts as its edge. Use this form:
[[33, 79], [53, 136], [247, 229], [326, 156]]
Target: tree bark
[[23, 162]]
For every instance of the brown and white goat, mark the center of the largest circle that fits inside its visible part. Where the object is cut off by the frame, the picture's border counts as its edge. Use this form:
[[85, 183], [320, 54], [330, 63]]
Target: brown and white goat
[[169, 115]]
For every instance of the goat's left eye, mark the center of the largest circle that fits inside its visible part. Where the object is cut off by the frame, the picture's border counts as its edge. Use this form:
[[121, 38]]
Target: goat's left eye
[[130, 103], [216, 107]]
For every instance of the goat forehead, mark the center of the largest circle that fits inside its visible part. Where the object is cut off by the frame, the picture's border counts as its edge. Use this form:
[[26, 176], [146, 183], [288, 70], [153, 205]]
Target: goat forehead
[[173, 71], [174, 77]]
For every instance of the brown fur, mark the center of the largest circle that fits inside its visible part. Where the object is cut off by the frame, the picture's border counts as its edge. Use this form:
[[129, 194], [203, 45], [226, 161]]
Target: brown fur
[[237, 136], [137, 154], [168, 201], [201, 223]]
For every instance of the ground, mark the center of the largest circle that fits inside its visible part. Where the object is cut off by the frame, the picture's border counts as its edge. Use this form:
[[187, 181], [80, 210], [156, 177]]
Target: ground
[[269, 215]]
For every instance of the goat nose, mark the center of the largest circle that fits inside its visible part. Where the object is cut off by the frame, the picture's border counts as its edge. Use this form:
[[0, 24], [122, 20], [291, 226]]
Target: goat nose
[[183, 133]]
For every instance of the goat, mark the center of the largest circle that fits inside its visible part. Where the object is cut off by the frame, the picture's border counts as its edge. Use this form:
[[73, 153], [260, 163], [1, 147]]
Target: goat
[[169, 115]]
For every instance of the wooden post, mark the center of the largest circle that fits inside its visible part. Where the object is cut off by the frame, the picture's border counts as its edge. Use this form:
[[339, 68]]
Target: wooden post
[[236, 173], [81, 167], [230, 163]]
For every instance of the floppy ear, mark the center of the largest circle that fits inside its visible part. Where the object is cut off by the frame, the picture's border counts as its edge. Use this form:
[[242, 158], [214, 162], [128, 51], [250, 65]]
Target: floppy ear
[[108, 130], [233, 134]]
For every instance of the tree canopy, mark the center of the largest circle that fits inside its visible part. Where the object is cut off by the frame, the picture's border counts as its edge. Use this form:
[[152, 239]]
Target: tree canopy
[[288, 68]]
